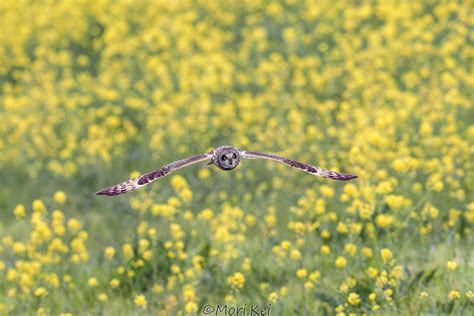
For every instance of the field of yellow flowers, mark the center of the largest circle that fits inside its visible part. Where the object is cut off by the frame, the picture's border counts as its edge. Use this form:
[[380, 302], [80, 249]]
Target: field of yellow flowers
[[94, 92]]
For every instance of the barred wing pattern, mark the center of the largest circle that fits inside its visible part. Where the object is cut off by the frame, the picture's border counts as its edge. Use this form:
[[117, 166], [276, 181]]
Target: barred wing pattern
[[149, 177], [302, 166]]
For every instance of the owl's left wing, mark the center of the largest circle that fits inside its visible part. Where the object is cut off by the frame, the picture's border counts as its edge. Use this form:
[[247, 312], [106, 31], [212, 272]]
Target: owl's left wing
[[149, 177], [296, 164]]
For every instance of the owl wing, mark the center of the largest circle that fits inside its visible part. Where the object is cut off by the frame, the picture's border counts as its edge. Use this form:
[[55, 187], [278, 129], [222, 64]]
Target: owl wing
[[302, 166], [149, 177]]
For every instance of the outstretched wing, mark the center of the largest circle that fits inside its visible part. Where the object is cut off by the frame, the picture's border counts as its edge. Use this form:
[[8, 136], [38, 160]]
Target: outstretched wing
[[302, 166], [149, 177]]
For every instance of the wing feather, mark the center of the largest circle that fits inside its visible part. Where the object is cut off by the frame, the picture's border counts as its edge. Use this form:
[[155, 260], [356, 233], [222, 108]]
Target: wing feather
[[147, 178], [302, 166]]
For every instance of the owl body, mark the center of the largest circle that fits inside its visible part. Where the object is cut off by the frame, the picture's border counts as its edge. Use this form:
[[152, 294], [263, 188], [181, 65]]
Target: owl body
[[225, 158]]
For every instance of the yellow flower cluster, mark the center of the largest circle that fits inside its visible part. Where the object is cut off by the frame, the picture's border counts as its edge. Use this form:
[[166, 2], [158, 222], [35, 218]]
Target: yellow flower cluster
[[41, 262], [237, 280]]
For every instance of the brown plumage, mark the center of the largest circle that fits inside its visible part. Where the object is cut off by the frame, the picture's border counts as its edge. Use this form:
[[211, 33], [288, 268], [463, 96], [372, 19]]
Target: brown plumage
[[225, 158], [302, 166]]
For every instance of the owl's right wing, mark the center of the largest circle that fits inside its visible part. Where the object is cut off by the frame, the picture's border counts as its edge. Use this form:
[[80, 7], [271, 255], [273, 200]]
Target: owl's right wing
[[149, 177], [299, 165]]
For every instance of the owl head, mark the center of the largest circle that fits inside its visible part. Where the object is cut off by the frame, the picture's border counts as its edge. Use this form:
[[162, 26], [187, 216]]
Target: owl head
[[226, 157]]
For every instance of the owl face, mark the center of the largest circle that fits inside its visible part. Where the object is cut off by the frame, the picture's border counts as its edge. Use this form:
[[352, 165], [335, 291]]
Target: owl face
[[226, 158]]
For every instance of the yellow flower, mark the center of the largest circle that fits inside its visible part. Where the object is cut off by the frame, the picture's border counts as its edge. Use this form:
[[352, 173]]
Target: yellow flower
[[38, 206], [19, 211], [301, 273], [271, 220], [18, 247], [206, 214], [11, 275], [140, 300], [250, 219], [189, 273], [384, 220], [135, 174], [128, 252], [350, 189], [325, 250], [246, 264], [367, 252], [386, 255], [40, 292], [372, 272], [175, 269], [351, 249], [147, 255], [138, 263], [341, 228], [109, 252], [158, 289], [423, 295], [102, 297], [11, 292], [204, 173], [178, 183], [151, 233], [143, 244], [388, 294], [313, 276], [273, 297], [74, 225], [326, 191], [189, 293], [340, 262], [295, 254], [92, 282], [114, 283], [237, 280], [451, 265], [372, 296], [453, 295], [186, 195], [353, 298], [83, 235], [325, 234], [285, 245], [59, 197], [470, 295], [191, 308]]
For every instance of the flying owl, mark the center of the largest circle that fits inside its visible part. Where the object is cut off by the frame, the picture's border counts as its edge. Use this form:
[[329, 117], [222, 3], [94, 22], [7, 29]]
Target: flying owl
[[225, 158]]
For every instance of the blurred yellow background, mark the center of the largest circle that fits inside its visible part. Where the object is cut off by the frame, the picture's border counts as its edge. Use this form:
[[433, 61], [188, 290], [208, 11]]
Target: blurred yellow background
[[93, 92]]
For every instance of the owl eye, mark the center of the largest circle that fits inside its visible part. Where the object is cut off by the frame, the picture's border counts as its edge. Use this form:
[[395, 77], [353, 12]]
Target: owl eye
[[224, 158], [234, 156]]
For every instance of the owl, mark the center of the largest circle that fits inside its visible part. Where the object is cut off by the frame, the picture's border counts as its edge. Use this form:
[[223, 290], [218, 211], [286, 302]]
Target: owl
[[225, 158]]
